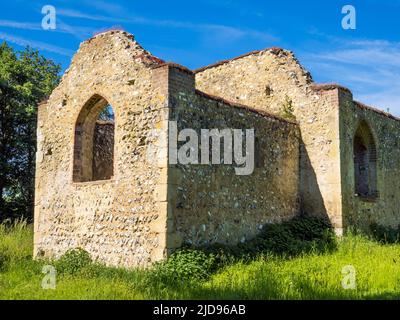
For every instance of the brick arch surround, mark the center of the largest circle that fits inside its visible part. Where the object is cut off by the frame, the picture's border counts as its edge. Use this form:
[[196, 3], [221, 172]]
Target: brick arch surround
[[86, 128], [365, 162]]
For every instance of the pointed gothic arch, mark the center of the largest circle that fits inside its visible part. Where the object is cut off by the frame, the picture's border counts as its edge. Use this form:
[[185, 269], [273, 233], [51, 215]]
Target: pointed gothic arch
[[365, 162], [94, 141]]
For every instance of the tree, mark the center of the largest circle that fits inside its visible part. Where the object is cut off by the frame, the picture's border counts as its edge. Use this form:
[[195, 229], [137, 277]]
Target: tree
[[26, 78]]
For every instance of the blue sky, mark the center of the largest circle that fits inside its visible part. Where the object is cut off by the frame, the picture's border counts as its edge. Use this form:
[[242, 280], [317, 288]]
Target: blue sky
[[197, 33]]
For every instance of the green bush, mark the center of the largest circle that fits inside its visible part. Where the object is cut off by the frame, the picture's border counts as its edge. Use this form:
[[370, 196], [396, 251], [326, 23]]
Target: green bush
[[385, 234], [299, 235], [73, 261], [183, 265], [291, 238]]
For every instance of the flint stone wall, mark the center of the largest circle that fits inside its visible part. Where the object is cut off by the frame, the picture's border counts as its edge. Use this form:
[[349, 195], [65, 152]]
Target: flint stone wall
[[210, 204], [361, 212], [215, 205], [113, 219], [265, 80], [148, 209]]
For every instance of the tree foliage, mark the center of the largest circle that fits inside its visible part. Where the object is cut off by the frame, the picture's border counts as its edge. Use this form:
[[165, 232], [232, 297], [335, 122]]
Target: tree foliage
[[26, 78], [107, 114]]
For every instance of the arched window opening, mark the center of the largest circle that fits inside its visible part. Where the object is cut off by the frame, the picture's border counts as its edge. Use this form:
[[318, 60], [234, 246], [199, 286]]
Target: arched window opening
[[365, 166], [94, 141]]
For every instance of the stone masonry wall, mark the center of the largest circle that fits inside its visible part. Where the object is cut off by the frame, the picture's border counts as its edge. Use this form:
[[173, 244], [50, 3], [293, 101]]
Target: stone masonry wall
[[358, 211], [116, 221], [210, 203], [264, 80], [260, 79], [150, 207]]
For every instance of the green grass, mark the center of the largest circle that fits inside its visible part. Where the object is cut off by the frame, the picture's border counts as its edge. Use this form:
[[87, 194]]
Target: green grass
[[308, 276]]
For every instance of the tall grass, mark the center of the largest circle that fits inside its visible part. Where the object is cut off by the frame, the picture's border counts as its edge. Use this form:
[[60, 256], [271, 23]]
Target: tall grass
[[310, 275]]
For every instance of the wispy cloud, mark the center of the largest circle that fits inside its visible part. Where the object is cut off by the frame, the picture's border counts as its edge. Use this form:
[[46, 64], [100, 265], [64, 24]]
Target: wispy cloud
[[79, 32], [81, 15], [365, 53], [229, 32], [35, 44], [370, 67], [238, 7], [20, 25], [105, 6]]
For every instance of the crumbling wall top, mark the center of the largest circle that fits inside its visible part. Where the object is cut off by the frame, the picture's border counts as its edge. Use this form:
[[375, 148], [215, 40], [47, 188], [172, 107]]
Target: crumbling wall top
[[274, 50]]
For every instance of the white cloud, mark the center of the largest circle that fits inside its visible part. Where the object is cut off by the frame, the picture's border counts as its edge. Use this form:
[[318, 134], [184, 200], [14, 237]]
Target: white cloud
[[80, 32], [386, 100], [364, 55], [223, 31], [81, 15], [20, 25], [369, 67], [35, 44], [105, 6]]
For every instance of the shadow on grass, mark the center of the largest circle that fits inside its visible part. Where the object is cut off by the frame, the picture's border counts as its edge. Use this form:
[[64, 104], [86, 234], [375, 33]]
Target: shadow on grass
[[267, 287]]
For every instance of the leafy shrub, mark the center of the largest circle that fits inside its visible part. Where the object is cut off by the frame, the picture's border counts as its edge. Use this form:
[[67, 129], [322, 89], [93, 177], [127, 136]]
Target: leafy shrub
[[287, 111], [73, 261], [385, 234], [184, 264], [299, 235]]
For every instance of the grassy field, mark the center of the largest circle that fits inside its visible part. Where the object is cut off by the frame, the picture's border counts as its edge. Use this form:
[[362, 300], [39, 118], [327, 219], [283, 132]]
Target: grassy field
[[308, 276]]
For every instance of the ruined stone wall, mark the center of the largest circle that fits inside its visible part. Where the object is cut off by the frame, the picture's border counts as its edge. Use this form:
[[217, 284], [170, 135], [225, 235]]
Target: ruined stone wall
[[260, 79], [210, 203], [114, 220], [264, 80], [213, 204], [320, 159], [383, 209], [149, 206]]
